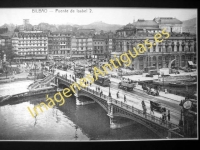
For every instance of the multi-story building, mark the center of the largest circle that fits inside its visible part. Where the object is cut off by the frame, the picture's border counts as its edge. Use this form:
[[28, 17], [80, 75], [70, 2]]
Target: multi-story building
[[177, 46], [59, 44], [99, 47], [81, 46], [103, 45], [30, 45], [6, 46], [181, 47]]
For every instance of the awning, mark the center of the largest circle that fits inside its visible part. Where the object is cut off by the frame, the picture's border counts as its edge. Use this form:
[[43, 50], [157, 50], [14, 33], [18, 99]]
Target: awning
[[190, 63]]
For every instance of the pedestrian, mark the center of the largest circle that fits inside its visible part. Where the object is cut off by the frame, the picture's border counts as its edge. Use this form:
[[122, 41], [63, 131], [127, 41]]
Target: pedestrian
[[165, 117], [124, 98], [96, 88], [144, 111], [168, 115], [160, 120], [90, 83], [165, 91], [151, 109], [118, 94], [143, 104]]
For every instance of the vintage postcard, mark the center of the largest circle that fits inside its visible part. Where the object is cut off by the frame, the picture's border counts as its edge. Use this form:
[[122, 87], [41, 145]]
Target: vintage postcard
[[98, 74]]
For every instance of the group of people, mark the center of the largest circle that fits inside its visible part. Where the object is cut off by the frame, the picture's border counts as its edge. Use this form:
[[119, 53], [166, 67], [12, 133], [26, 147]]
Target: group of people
[[99, 90]]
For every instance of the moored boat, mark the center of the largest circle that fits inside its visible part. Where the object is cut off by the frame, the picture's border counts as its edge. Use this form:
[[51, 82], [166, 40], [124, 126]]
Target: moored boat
[[174, 79], [183, 84]]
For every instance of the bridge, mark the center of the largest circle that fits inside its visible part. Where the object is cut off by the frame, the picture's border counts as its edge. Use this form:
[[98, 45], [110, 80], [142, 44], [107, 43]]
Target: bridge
[[115, 108]]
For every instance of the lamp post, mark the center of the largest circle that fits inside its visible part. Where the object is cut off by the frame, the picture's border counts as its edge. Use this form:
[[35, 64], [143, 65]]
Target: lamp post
[[163, 79], [109, 89], [6, 71]]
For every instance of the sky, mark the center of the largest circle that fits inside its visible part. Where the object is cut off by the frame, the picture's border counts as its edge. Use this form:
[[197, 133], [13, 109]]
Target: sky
[[84, 15]]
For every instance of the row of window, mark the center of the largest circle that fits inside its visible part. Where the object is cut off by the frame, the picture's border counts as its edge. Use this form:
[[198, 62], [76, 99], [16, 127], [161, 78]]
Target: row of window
[[32, 42], [28, 53], [98, 47], [65, 43], [56, 35], [32, 49], [59, 39], [33, 38], [62, 47], [60, 52], [100, 52], [32, 45], [167, 48]]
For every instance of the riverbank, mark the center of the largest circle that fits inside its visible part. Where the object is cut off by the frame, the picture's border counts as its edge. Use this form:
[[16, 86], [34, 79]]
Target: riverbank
[[18, 86], [17, 77]]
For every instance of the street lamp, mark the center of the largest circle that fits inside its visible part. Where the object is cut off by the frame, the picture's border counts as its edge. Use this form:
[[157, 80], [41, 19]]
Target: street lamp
[[6, 71], [109, 89], [163, 79]]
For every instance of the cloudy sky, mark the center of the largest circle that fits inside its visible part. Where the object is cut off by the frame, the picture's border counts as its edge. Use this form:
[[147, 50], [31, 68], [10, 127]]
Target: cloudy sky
[[60, 15]]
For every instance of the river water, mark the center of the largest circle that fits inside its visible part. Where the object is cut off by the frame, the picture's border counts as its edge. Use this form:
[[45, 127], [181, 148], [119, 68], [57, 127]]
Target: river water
[[67, 122]]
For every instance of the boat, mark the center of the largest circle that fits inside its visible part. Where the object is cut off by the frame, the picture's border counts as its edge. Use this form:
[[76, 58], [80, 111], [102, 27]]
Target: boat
[[182, 84], [174, 79]]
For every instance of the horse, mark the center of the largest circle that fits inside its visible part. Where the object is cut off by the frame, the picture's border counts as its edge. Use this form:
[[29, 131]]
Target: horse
[[144, 87]]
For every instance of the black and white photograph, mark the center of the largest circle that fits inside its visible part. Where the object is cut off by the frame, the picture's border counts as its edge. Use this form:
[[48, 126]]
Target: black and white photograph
[[98, 74]]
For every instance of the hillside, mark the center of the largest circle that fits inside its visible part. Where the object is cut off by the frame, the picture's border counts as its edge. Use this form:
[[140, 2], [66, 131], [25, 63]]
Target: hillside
[[69, 27], [189, 25], [102, 26]]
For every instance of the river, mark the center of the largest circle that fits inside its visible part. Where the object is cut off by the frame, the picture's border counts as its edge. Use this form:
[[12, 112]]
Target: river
[[68, 122]]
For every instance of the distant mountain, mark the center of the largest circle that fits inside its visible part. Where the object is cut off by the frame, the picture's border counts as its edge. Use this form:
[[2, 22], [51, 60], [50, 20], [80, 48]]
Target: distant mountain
[[46, 26], [189, 25], [98, 26]]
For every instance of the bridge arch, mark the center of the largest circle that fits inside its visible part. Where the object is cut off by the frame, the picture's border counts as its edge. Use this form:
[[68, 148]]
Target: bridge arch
[[156, 130], [103, 105]]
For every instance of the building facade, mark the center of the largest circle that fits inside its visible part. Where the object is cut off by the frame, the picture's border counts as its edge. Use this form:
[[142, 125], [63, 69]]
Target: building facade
[[6, 47], [179, 46], [81, 46], [59, 45], [29, 45]]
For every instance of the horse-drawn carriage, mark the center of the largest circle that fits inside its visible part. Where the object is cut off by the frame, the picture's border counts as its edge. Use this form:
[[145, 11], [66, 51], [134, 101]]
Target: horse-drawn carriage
[[150, 90], [157, 107]]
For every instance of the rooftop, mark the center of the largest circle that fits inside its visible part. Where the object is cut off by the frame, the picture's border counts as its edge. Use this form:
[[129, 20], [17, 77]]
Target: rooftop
[[167, 20], [145, 23]]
